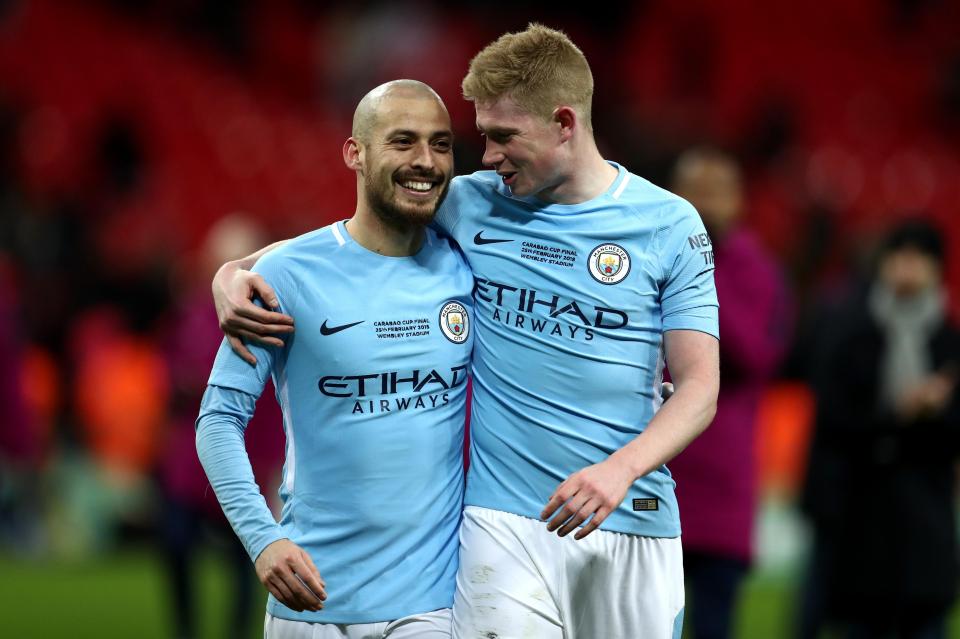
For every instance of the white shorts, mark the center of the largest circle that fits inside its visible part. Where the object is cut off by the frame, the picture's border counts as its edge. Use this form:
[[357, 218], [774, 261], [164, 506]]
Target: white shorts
[[429, 625], [516, 580]]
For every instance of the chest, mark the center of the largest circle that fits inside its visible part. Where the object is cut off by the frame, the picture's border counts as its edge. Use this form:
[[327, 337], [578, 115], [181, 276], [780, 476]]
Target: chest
[[367, 321], [597, 269]]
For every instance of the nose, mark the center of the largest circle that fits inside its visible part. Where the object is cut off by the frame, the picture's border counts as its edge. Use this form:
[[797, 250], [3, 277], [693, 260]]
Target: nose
[[492, 153], [423, 157]]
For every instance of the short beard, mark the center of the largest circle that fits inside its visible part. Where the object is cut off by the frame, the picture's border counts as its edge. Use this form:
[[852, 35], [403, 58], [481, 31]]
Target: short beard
[[396, 216]]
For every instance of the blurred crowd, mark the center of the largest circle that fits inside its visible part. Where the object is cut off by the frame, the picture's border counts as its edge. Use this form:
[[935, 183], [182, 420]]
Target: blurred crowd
[[143, 144]]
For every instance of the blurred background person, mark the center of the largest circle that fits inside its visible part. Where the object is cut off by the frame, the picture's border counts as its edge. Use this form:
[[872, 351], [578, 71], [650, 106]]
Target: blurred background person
[[191, 519], [880, 488], [716, 475], [20, 444]]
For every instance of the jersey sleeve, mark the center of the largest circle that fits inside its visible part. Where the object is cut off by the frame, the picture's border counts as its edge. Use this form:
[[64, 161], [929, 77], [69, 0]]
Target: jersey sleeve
[[228, 404], [688, 296], [224, 413]]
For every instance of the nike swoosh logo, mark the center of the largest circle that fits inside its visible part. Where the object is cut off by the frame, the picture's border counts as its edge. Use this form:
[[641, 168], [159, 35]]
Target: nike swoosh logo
[[477, 239], [330, 330]]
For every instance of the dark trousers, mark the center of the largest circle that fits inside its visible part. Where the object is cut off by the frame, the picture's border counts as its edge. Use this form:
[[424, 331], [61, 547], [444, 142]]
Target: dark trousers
[[922, 626], [819, 607], [712, 584], [182, 535]]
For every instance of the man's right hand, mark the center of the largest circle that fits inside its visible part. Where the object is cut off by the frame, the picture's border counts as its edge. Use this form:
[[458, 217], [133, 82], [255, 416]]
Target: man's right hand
[[241, 319], [289, 574]]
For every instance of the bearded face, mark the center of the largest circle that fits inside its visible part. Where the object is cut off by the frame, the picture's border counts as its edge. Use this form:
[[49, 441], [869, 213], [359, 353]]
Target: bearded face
[[404, 196], [408, 159]]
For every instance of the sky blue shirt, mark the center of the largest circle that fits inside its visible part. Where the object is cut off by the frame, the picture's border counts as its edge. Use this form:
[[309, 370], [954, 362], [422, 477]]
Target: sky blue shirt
[[372, 387], [572, 302]]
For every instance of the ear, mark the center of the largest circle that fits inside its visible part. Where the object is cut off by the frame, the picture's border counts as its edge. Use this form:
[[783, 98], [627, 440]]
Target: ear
[[566, 117], [353, 154]]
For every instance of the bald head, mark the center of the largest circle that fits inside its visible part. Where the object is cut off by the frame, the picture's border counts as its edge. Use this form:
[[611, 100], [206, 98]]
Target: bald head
[[370, 108], [401, 149]]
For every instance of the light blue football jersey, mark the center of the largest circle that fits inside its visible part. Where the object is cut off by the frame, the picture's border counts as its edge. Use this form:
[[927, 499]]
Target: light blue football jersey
[[373, 391], [571, 305]]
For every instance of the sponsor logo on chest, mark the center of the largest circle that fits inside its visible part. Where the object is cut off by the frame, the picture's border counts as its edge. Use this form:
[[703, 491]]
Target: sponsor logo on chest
[[402, 389]]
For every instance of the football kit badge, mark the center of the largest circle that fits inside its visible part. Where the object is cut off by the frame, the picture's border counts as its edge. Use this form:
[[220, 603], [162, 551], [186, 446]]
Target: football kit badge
[[609, 263], [454, 322]]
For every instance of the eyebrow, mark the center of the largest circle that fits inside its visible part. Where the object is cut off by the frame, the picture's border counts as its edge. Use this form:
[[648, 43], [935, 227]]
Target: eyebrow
[[415, 134], [498, 130]]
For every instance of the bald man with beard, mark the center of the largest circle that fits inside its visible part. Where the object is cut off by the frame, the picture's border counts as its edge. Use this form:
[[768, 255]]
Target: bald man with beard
[[372, 389]]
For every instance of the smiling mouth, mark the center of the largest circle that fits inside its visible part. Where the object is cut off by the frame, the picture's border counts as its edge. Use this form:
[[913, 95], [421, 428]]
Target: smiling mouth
[[508, 177], [418, 187]]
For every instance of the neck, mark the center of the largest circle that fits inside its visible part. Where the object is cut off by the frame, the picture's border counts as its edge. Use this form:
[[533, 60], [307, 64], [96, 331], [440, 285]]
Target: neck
[[587, 176], [372, 233]]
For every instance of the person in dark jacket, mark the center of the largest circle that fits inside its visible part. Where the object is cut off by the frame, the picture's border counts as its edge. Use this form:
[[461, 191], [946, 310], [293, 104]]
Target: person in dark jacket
[[880, 485]]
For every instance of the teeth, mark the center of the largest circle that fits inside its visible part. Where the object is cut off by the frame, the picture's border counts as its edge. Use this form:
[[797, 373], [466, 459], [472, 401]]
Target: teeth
[[417, 186]]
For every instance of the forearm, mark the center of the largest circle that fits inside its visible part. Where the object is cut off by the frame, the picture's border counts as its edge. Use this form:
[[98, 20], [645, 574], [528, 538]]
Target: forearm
[[220, 447], [678, 422], [597, 490]]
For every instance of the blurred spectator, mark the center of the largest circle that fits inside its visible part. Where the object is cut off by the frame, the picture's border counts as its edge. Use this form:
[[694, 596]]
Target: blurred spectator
[[20, 440], [191, 517], [716, 474], [15, 435], [117, 394], [99, 318], [880, 483], [121, 391]]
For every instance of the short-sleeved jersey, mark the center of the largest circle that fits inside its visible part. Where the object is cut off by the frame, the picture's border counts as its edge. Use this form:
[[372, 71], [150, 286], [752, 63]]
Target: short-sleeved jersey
[[572, 302], [373, 391]]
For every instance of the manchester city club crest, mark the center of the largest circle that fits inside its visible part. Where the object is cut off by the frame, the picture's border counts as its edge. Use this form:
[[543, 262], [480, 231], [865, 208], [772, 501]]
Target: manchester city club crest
[[454, 322], [609, 263]]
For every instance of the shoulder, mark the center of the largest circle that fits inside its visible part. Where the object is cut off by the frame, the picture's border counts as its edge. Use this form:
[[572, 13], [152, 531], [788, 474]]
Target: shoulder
[[947, 339], [477, 182], [476, 188], [656, 205], [442, 246], [468, 197], [438, 240], [287, 265], [314, 244]]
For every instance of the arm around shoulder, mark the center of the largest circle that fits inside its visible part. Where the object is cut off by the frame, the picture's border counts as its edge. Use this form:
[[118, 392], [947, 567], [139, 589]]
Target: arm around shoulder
[[234, 288]]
